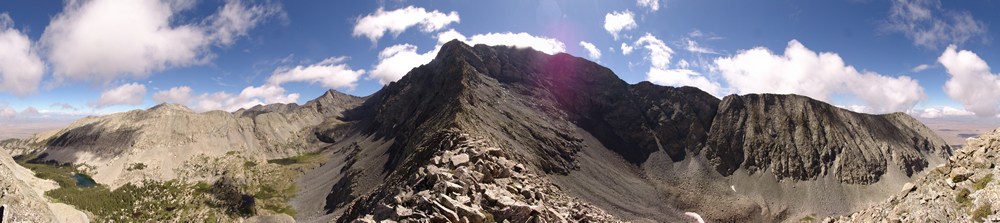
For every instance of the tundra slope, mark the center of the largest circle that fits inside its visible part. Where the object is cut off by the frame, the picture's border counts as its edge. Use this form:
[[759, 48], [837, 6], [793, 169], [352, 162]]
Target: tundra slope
[[500, 133]]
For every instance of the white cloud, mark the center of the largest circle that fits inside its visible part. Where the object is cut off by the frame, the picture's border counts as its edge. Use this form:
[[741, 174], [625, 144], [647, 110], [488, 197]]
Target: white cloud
[[817, 75], [615, 22], [375, 25], [972, 82], [395, 61], [941, 112], [659, 53], [21, 69], [592, 51], [626, 49], [653, 5], [920, 68], [519, 40], [682, 77], [236, 19], [692, 46], [249, 97], [331, 73], [6, 111], [176, 95], [126, 94], [102, 40], [929, 25], [30, 111], [64, 106]]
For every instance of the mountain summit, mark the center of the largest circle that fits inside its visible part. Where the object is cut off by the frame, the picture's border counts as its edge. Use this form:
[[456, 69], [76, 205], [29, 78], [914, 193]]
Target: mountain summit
[[494, 133]]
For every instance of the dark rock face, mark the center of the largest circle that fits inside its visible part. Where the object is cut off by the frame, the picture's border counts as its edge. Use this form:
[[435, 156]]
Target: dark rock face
[[800, 138]]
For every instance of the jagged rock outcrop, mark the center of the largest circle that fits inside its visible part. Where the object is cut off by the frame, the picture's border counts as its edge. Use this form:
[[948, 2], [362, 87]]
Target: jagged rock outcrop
[[799, 138], [965, 189]]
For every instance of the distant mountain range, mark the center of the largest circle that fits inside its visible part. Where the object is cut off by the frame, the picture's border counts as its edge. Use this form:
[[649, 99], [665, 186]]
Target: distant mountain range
[[493, 133]]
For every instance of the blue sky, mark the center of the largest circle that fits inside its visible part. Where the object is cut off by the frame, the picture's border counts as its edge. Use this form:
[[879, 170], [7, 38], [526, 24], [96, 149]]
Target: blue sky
[[859, 54]]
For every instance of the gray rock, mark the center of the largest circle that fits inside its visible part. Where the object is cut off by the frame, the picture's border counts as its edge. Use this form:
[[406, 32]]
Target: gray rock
[[799, 138]]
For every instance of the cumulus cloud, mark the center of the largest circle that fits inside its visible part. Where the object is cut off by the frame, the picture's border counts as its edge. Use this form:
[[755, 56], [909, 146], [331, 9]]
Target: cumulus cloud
[[175, 95], [659, 53], [615, 22], [375, 25], [102, 40], [592, 51], [929, 25], [653, 5], [330, 73], [817, 75], [21, 69], [126, 94], [249, 97], [972, 82], [938, 112], [682, 77], [395, 61], [626, 49], [519, 40]]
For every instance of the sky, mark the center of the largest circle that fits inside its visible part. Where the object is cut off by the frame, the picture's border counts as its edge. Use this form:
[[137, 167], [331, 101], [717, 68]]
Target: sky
[[61, 60]]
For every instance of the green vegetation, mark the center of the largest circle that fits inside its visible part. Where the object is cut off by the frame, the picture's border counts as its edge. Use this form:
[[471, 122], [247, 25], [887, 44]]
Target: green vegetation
[[808, 218], [979, 215], [962, 197], [959, 178], [136, 166], [301, 158], [252, 188], [982, 182]]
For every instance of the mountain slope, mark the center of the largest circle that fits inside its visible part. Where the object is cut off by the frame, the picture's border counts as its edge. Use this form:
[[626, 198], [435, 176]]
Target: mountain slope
[[500, 133], [964, 189], [800, 138]]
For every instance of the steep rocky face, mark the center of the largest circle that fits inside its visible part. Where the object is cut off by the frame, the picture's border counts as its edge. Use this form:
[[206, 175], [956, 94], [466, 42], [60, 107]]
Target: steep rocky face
[[798, 138], [965, 189]]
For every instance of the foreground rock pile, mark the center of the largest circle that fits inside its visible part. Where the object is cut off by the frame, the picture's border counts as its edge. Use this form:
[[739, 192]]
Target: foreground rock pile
[[470, 181], [963, 190]]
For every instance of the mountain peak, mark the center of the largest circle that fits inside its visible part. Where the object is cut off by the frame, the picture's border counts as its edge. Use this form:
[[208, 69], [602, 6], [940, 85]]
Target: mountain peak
[[162, 107]]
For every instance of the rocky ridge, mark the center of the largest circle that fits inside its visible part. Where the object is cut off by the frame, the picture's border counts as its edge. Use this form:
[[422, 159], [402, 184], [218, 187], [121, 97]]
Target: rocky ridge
[[470, 180], [965, 189]]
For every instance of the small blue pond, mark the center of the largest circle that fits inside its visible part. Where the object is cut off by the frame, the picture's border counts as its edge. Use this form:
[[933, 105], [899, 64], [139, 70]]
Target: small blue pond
[[82, 180]]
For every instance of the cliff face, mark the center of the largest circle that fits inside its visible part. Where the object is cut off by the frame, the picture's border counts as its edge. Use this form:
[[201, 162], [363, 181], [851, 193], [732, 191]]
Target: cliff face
[[799, 138]]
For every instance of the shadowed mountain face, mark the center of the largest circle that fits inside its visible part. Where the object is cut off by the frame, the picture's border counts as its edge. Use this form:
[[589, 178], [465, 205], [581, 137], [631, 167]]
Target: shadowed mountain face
[[500, 133], [800, 138]]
